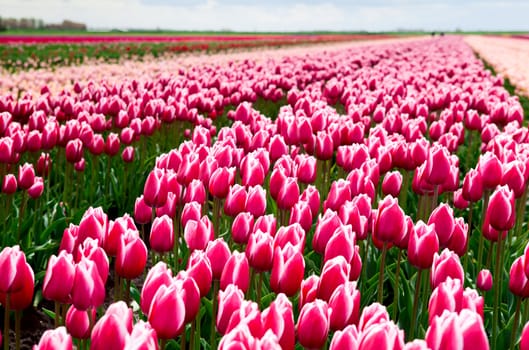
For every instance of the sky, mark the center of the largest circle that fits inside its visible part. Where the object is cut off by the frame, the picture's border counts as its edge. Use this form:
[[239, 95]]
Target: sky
[[279, 15]]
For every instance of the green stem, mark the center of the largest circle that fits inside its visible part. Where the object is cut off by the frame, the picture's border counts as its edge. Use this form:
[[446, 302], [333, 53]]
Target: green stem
[[479, 264], [183, 339], [381, 272], [163, 343], [415, 303], [396, 291], [251, 291], [57, 314], [127, 291], [403, 196], [213, 333], [434, 199], [21, 214], [6, 322], [18, 318], [259, 288], [497, 291], [516, 320]]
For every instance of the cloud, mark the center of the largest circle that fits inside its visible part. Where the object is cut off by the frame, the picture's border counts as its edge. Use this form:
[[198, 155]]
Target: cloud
[[279, 15]]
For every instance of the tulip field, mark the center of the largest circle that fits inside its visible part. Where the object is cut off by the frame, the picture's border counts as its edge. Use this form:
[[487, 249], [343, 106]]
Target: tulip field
[[344, 195]]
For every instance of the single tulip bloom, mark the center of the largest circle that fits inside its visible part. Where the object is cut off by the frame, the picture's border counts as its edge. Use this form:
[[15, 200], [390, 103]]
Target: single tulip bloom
[[335, 272], [422, 245], [218, 254], [445, 265], [279, 317], [155, 188], [287, 270], [260, 251], [230, 301], [132, 255], [220, 181], [242, 227], [501, 211], [162, 234], [55, 339], [386, 335], [78, 322], [256, 201], [392, 183], [313, 324], [236, 271], [288, 194], [442, 218], [484, 281], [59, 277], [199, 269], [26, 176], [167, 312], [389, 224], [142, 337], [157, 276], [197, 234], [344, 306], [518, 282], [112, 330]]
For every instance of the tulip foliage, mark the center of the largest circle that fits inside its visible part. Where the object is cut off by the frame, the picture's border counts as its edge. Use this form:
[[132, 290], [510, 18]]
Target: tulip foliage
[[350, 198]]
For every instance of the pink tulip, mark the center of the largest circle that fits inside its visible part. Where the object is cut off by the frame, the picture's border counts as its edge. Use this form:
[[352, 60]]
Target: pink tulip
[[132, 255], [490, 169], [389, 224], [112, 330], [9, 184], [88, 288], [422, 246], [218, 254], [524, 338], [442, 218], [115, 230], [385, 335], [501, 211], [199, 269], [59, 278], [167, 312], [230, 301], [288, 194], [220, 182], [161, 238], [279, 317], [56, 339], [484, 281], [189, 291], [242, 227], [197, 234], [236, 271], [143, 337], [437, 165], [155, 189], [92, 251], [392, 183], [142, 212], [287, 270], [445, 265], [260, 251], [344, 306], [339, 193], [26, 176], [313, 324], [13, 266], [93, 224], [74, 151], [327, 224], [451, 330], [335, 272], [128, 154], [157, 276], [518, 282], [78, 322], [256, 201], [342, 242]]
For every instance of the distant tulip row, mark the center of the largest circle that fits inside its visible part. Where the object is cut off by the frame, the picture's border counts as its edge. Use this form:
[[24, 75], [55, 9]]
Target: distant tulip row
[[367, 212]]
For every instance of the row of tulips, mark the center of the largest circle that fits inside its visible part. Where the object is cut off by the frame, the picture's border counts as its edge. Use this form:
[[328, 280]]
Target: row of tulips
[[298, 216]]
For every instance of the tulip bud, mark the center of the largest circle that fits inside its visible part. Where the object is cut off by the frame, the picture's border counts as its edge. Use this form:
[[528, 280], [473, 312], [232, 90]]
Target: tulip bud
[[78, 322], [422, 246], [199, 269], [484, 281], [287, 270], [230, 301], [26, 176], [197, 234], [143, 337], [58, 281], [220, 182], [442, 218], [113, 329], [445, 265], [501, 211], [256, 201], [155, 189], [345, 339], [218, 254], [389, 224], [162, 234], [132, 255], [313, 324], [56, 339], [344, 306], [279, 317], [518, 282], [260, 251], [9, 184], [524, 338], [167, 312], [288, 194], [392, 184], [386, 335], [157, 276], [142, 212], [335, 272], [236, 271]]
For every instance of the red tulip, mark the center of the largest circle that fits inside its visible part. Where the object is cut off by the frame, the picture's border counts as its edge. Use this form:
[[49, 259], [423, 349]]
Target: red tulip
[[56, 339], [162, 234], [59, 278], [236, 271], [132, 255], [167, 312], [437, 165], [422, 246], [313, 324]]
